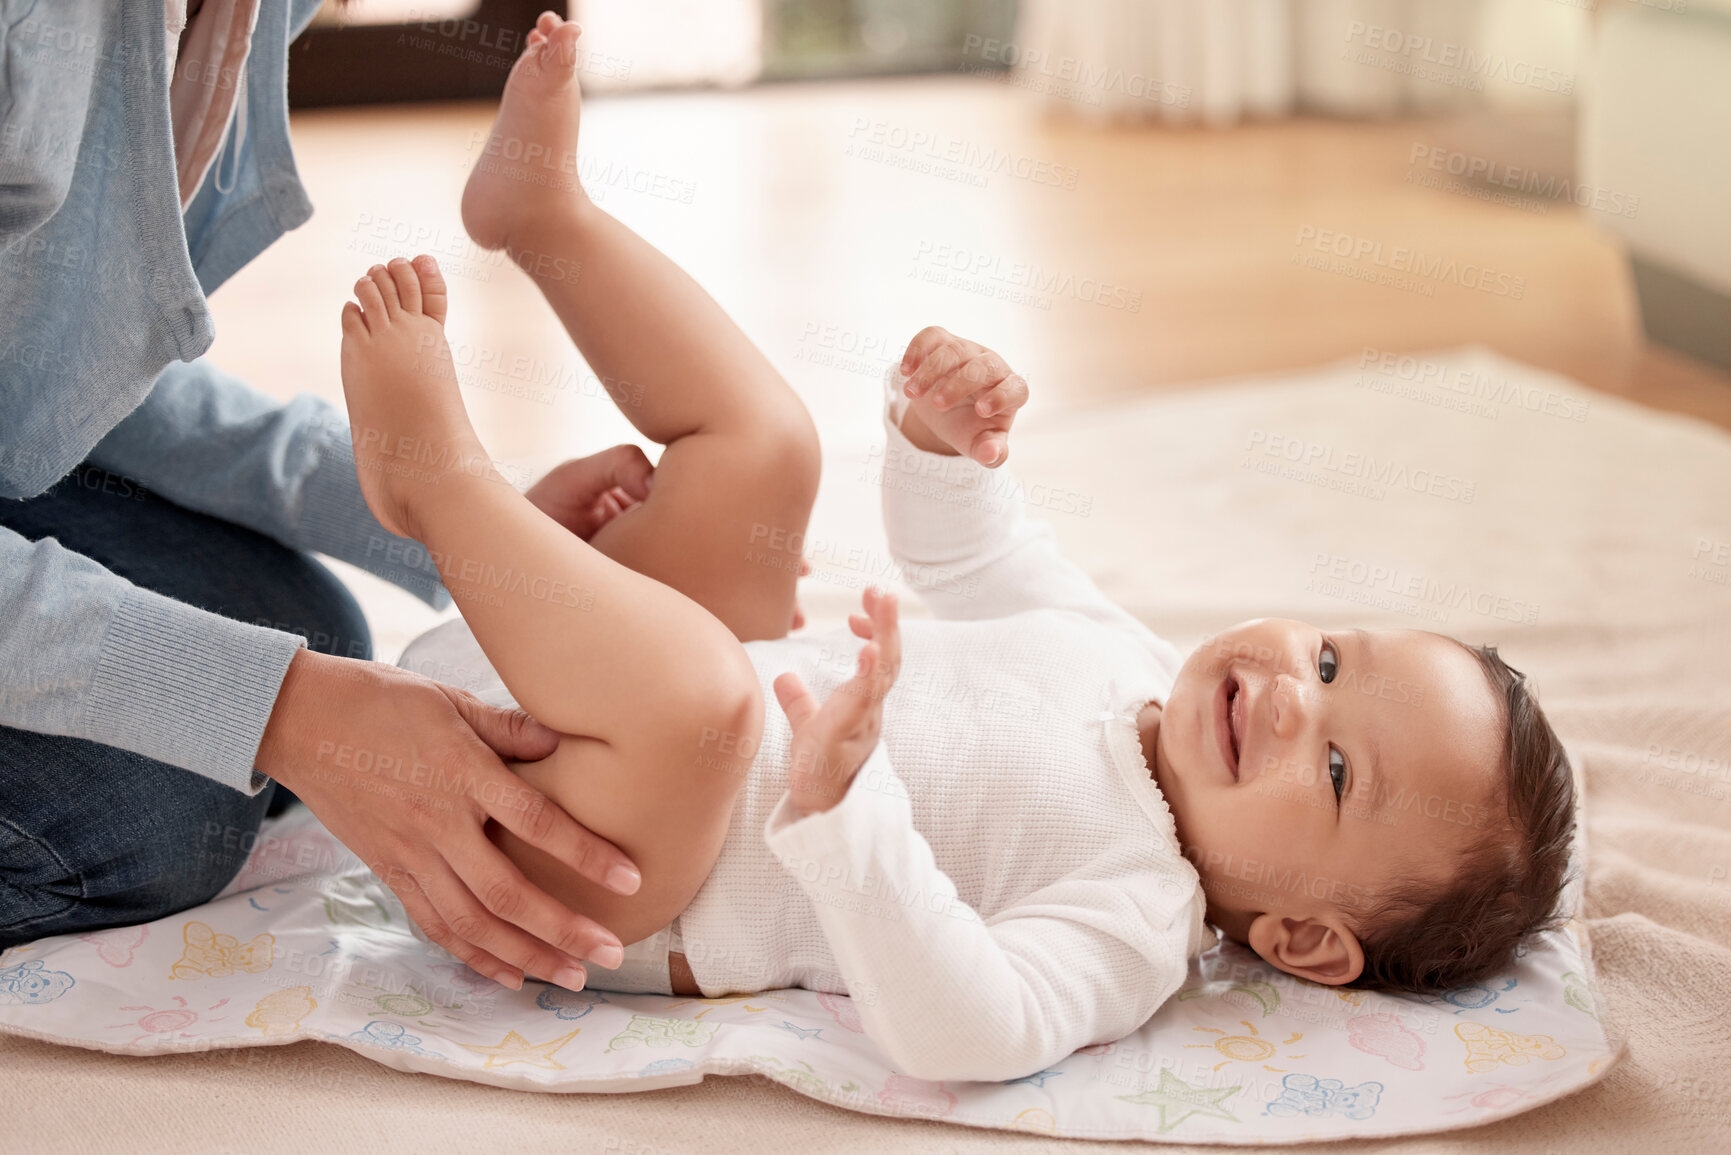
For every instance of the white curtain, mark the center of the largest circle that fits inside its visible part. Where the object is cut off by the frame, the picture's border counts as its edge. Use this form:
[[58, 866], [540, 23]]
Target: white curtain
[[1219, 61], [1207, 61], [669, 43]]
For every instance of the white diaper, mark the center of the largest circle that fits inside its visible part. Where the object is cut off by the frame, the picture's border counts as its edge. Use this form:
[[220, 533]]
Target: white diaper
[[645, 970]]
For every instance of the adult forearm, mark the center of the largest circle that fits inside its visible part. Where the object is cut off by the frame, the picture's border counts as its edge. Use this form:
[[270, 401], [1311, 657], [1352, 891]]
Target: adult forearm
[[86, 654], [208, 442]]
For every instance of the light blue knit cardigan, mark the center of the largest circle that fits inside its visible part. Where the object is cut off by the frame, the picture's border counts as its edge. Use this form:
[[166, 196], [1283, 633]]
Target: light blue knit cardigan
[[103, 319]]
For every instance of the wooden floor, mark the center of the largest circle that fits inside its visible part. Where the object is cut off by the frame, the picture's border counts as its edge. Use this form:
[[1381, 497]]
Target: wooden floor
[[835, 220]]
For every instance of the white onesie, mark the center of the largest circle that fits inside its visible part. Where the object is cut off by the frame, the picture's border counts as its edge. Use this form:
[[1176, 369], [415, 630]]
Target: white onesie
[[1002, 883]]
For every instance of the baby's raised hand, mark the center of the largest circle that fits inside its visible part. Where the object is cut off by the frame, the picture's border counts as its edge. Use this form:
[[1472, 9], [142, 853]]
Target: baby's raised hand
[[962, 394], [830, 743]]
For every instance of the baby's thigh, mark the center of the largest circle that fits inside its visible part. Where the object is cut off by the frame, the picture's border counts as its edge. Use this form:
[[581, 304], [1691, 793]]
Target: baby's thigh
[[666, 802], [726, 524]]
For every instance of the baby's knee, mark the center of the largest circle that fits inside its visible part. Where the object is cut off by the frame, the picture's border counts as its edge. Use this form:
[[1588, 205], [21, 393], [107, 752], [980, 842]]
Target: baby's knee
[[799, 455], [723, 724], [783, 462]]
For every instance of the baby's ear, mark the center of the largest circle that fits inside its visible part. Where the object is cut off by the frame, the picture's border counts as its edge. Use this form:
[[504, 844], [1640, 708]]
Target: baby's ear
[[1323, 950]]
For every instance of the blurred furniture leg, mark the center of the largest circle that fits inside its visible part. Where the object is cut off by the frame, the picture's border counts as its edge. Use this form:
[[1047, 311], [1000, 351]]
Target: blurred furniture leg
[[1654, 135], [464, 58]]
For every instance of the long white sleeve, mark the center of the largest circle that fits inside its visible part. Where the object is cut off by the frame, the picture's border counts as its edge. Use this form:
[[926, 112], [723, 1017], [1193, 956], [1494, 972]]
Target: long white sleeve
[[964, 541], [1085, 959]]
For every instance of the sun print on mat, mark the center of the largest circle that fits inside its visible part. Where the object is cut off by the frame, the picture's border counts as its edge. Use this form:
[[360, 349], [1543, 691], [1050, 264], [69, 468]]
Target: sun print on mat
[[1251, 1048], [169, 1022], [1035, 1119]]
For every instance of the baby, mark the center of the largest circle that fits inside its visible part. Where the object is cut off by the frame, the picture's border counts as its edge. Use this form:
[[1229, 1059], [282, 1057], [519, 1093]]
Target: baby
[[1002, 831]]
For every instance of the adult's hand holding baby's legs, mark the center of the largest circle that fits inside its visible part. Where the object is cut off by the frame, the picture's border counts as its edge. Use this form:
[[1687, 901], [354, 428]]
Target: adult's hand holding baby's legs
[[405, 772]]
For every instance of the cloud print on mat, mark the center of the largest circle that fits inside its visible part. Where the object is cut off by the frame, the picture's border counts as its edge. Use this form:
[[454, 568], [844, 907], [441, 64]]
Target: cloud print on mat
[[115, 947], [1382, 1035]]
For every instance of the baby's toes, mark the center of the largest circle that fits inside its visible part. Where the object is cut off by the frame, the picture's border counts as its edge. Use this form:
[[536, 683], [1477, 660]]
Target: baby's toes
[[387, 286], [432, 285], [354, 323], [372, 303], [560, 52], [407, 283]]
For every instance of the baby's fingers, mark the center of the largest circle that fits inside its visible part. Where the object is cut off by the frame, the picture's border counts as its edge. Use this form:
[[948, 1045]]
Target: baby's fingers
[[979, 373], [1004, 398], [991, 448], [855, 702], [926, 340], [939, 365], [796, 700], [886, 639]]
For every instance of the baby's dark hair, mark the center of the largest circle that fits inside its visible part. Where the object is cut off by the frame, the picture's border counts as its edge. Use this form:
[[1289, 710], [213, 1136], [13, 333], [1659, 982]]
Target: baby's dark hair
[[1418, 939]]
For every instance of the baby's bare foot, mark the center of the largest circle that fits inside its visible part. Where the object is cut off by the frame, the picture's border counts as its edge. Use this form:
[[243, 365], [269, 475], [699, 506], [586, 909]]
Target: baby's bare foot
[[406, 416], [527, 172]]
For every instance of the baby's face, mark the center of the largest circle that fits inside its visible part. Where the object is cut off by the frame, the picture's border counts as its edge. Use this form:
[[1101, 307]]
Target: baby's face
[[1308, 770]]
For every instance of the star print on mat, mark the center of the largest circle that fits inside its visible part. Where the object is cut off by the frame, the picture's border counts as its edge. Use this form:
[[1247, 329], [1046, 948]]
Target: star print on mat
[[514, 1048], [1178, 1100]]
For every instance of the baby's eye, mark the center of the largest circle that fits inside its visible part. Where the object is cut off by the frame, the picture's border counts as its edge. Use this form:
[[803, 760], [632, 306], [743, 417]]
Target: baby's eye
[[1337, 771], [1328, 661]]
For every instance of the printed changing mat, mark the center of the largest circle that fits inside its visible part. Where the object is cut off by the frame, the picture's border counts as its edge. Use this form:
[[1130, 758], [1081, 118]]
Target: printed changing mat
[[306, 943]]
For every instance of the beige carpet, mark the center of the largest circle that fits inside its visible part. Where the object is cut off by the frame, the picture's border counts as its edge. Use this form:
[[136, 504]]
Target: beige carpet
[[1597, 552]]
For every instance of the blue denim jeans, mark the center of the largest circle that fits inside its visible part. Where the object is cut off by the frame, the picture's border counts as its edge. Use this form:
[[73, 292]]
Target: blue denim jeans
[[92, 835]]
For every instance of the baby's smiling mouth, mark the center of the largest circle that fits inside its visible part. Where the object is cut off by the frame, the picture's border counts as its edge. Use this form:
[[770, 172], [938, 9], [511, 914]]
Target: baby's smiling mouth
[[1228, 722], [1235, 714]]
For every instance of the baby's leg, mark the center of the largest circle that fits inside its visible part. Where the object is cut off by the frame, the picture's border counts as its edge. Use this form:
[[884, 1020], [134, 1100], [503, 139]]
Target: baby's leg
[[735, 485], [643, 679]]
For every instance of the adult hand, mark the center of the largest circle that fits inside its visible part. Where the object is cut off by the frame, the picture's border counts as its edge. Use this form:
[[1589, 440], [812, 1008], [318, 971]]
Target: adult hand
[[406, 772], [586, 493]]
